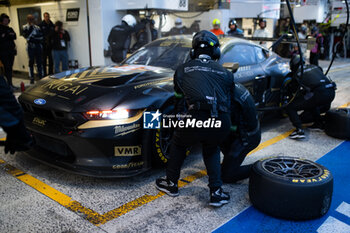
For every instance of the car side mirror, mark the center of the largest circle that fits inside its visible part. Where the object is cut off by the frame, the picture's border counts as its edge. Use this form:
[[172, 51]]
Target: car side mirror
[[232, 66]]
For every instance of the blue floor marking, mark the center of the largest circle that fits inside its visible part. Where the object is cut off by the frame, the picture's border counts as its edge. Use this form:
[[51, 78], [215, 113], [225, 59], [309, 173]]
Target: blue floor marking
[[251, 220]]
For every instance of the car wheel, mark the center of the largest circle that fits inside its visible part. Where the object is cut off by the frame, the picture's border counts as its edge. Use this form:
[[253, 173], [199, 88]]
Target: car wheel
[[337, 123], [291, 188], [157, 142]]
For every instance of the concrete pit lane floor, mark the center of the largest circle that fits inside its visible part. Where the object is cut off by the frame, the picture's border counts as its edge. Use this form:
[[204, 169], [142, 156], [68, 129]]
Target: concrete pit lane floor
[[37, 198]]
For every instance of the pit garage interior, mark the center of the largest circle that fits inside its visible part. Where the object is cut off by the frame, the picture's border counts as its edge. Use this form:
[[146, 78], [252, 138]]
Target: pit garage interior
[[38, 197]]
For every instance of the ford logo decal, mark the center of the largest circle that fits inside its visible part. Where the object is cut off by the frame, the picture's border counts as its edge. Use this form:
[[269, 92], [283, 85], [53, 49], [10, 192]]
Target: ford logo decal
[[40, 101]]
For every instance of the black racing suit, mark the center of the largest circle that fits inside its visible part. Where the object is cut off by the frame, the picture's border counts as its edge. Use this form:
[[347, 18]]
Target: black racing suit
[[119, 40], [47, 29], [177, 31], [237, 32], [142, 38], [196, 83], [34, 38], [11, 120], [317, 92], [7, 50], [244, 137]]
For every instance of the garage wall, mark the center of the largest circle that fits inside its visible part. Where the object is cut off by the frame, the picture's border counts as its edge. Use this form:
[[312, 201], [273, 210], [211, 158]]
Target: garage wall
[[316, 11], [103, 17], [78, 50]]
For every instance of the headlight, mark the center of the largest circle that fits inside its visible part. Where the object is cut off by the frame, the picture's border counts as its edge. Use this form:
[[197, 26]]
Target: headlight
[[115, 114]]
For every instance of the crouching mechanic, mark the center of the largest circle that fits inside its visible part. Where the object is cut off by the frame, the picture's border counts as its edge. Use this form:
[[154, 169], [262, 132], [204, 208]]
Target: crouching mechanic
[[245, 136], [11, 120], [316, 92], [205, 87]]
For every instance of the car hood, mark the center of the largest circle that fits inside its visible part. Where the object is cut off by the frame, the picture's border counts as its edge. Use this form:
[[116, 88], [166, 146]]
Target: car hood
[[97, 88]]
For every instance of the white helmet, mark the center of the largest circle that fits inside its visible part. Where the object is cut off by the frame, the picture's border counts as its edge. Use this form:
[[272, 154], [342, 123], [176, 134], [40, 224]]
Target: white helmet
[[130, 20], [178, 23]]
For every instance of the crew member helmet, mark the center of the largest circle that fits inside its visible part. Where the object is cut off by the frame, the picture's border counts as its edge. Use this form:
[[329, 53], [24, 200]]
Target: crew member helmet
[[232, 22], [206, 42], [216, 22], [129, 20], [262, 21], [178, 23]]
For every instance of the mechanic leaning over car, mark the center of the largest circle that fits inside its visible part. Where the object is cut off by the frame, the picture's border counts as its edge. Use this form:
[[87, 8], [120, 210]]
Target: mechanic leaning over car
[[203, 87], [316, 92], [11, 119], [119, 38], [245, 136]]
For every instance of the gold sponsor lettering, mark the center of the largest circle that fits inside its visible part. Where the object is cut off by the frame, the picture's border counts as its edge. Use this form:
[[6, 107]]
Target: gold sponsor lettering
[[39, 122], [74, 89], [151, 83], [64, 86], [129, 165], [127, 150], [121, 130]]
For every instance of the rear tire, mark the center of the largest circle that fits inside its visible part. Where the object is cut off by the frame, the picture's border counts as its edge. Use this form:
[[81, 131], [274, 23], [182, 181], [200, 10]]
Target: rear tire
[[291, 188]]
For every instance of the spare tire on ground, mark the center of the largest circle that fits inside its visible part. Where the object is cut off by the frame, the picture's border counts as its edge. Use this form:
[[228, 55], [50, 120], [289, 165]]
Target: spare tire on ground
[[338, 123], [290, 188]]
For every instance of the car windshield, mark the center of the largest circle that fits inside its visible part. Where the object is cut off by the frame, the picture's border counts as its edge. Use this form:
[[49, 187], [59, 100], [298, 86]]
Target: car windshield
[[169, 55]]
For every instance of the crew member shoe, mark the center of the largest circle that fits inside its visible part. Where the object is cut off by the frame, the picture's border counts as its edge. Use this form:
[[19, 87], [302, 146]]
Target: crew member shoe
[[31, 81], [218, 197], [317, 126], [297, 134], [167, 186]]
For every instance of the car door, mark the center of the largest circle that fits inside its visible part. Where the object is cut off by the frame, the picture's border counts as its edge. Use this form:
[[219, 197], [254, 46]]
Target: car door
[[250, 73]]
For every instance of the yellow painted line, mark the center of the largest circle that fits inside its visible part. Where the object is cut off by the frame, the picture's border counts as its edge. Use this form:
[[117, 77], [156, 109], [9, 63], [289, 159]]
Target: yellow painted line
[[113, 214], [344, 105], [271, 141], [64, 200], [339, 69]]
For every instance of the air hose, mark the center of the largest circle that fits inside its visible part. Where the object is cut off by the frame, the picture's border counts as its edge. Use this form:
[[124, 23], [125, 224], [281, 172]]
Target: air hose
[[301, 62]]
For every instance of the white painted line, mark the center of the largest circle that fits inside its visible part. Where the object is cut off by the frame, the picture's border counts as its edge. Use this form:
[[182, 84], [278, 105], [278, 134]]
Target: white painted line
[[344, 208], [333, 225]]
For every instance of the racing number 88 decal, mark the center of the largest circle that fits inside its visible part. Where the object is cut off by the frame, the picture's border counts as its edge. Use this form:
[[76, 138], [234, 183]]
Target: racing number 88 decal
[[182, 3]]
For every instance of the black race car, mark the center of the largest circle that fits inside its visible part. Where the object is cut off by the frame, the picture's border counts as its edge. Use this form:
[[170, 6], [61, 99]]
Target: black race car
[[90, 120]]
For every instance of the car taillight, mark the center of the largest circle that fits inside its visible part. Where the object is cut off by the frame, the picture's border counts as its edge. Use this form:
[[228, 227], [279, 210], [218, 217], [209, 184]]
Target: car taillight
[[115, 114]]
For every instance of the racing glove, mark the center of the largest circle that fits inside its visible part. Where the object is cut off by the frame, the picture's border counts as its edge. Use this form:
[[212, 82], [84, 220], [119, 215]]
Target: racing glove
[[17, 139]]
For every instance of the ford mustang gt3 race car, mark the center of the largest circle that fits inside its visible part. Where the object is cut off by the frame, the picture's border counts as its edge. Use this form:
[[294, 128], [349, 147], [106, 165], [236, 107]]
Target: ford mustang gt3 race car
[[90, 120]]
